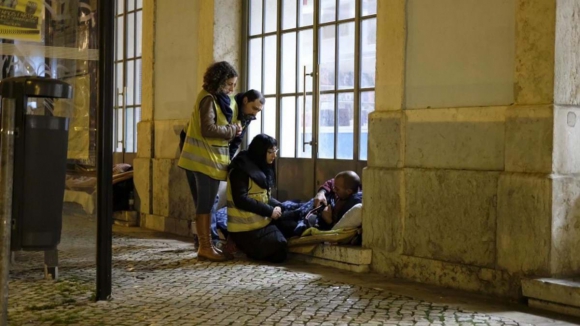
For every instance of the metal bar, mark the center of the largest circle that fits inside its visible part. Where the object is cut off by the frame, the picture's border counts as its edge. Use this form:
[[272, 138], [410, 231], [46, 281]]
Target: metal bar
[[336, 74], [315, 90], [304, 109], [356, 108], [6, 177], [106, 21]]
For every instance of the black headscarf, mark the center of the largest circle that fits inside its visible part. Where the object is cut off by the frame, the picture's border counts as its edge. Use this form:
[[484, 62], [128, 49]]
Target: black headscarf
[[253, 161], [224, 102]]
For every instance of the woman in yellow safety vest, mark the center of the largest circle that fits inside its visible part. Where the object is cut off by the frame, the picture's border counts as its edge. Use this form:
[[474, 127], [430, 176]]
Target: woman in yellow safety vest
[[256, 221], [205, 154]]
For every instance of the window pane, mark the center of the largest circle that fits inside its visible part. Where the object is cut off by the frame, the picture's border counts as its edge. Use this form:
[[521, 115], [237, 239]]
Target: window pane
[[271, 16], [138, 82], [346, 55], [129, 145], [119, 73], [139, 32], [369, 7], [270, 65], [289, 14], [120, 6], [327, 57], [270, 114], [255, 17], [130, 5], [367, 105], [130, 35], [288, 78], [255, 128], [119, 145], [345, 126], [130, 82], [120, 38], [255, 64], [327, 11], [288, 127], [326, 127], [308, 123], [368, 52], [306, 12], [346, 9], [305, 59], [139, 4], [137, 120]]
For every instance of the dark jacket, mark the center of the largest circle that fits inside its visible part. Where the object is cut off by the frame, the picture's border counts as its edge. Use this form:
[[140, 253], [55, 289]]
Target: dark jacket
[[242, 169], [339, 207], [237, 141]]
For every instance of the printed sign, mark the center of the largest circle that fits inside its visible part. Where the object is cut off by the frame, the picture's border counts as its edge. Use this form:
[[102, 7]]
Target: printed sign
[[21, 19]]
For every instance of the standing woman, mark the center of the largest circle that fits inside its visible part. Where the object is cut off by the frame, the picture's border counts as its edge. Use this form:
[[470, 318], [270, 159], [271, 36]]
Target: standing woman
[[205, 155]]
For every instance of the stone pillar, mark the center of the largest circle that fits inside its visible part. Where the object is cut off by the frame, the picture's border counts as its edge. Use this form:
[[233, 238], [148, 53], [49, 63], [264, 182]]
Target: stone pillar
[[180, 39], [470, 179]]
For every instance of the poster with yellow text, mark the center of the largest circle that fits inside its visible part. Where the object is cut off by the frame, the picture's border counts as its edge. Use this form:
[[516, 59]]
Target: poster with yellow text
[[21, 19]]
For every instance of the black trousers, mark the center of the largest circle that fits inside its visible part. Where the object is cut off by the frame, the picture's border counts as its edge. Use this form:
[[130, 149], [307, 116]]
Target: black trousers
[[268, 243]]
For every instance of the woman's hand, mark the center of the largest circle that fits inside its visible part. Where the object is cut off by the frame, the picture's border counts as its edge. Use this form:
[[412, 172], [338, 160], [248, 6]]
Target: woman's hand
[[276, 213], [239, 129]]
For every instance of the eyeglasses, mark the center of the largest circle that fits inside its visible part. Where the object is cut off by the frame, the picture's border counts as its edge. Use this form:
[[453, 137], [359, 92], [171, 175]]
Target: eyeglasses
[[273, 151]]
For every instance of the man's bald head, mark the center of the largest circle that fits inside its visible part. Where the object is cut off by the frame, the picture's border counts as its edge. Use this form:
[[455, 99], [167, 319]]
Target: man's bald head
[[351, 180]]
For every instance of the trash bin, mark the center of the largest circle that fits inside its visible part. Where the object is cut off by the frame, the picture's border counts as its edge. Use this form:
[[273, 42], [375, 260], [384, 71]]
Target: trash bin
[[40, 152]]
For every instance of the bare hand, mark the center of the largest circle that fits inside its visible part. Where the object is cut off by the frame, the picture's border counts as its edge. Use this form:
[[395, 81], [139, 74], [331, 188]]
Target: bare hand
[[276, 213], [320, 198], [239, 129]]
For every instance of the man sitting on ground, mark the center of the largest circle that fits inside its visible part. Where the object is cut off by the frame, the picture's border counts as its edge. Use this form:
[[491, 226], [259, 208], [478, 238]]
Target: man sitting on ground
[[339, 195]]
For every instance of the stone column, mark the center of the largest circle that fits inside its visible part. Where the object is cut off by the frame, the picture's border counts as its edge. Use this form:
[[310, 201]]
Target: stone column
[[180, 39], [470, 179]]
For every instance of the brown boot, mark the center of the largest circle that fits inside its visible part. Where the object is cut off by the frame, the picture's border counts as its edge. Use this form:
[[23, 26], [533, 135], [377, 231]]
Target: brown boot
[[206, 251]]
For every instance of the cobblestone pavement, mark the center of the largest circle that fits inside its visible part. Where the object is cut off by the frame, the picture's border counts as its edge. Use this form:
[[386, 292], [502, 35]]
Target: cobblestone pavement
[[159, 282]]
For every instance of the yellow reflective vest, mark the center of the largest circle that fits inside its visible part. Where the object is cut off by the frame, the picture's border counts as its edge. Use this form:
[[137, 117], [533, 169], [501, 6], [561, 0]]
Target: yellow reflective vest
[[240, 220], [210, 156]]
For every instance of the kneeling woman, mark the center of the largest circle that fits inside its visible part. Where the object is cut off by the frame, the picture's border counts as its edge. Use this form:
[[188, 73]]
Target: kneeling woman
[[255, 219]]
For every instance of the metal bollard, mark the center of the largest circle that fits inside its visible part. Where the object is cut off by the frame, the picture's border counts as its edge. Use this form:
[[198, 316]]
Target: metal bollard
[[6, 175]]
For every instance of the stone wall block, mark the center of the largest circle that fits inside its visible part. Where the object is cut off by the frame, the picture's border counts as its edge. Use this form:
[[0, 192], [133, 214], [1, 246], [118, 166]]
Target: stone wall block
[[385, 142], [566, 140], [391, 52], [529, 139], [160, 186], [565, 254], [459, 138], [180, 200], [441, 273], [145, 139], [450, 216], [382, 209], [167, 138], [142, 181], [567, 70], [535, 39], [524, 224]]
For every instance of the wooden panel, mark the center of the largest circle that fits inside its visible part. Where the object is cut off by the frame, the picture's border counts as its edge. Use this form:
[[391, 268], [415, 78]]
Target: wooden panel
[[327, 169], [295, 179]]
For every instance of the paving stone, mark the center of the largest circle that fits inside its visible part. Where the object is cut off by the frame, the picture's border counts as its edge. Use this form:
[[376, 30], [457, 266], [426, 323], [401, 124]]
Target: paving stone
[[158, 281]]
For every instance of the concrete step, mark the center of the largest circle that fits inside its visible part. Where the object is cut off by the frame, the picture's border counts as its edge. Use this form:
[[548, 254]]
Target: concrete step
[[560, 295], [351, 258]]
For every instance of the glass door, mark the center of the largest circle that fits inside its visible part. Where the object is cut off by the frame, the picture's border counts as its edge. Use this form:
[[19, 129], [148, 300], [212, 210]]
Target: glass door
[[319, 81]]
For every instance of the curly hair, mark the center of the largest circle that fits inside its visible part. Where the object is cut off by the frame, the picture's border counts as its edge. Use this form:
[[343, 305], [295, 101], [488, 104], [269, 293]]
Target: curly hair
[[216, 75]]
